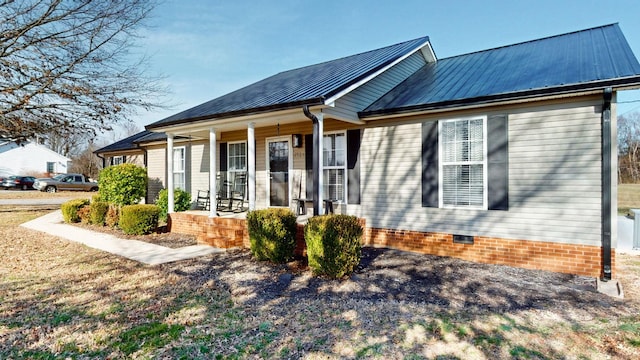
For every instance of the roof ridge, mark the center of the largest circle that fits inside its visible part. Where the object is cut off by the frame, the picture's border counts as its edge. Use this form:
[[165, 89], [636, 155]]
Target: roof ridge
[[424, 38], [531, 41]]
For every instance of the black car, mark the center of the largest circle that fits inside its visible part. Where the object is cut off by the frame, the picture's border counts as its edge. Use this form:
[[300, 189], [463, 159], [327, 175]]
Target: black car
[[18, 182]]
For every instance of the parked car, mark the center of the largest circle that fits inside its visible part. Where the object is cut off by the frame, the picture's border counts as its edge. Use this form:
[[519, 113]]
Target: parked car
[[70, 182], [18, 182]]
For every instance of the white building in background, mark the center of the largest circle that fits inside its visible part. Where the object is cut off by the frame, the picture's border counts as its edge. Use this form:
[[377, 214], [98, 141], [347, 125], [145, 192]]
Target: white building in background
[[30, 158]]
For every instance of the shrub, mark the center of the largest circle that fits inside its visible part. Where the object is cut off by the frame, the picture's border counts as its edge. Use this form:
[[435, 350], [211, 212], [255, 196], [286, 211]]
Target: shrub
[[123, 184], [70, 210], [139, 219], [272, 233], [113, 216], [95, 198], [98, 212], [182, 201], [333, 244], [84, 213]]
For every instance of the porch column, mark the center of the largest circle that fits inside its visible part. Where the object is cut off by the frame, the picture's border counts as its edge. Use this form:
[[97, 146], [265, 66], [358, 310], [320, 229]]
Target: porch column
[[213, 171], [171, 201], [251, 164], [318, 133]]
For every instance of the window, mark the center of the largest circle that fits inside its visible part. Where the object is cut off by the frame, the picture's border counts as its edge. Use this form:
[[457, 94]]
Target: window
[[178, 168], [463, 164], [51, 167], [334, 162], [236, 163], [117, 160], [237, 157]]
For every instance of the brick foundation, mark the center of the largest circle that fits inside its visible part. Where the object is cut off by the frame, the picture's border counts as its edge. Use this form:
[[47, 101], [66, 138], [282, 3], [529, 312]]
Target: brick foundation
[[219, 232], [564, 258]]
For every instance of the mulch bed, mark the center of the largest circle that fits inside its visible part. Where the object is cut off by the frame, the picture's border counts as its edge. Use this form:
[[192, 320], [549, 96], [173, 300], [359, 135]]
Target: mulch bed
[[160, 237]]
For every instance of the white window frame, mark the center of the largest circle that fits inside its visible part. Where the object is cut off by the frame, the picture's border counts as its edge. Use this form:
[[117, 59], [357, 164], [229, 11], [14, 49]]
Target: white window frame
[[184, 167], [343, 168], [117, 160], [229, 145], [484, 163]]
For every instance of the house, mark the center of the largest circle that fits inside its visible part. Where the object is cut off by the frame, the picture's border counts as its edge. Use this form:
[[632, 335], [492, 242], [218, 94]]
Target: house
[[502, 156], [30, 158]]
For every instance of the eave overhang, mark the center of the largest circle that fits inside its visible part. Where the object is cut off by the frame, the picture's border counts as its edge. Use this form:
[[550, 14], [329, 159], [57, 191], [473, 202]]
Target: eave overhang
[[626, 83]]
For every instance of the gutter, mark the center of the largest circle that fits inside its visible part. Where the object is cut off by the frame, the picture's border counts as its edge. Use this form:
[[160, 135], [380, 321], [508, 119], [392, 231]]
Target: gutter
[[316, 158], [606, 184], [628, 82]]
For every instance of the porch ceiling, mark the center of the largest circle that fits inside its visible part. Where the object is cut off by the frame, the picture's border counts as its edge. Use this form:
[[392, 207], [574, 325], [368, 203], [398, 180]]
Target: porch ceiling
[[200, 129]]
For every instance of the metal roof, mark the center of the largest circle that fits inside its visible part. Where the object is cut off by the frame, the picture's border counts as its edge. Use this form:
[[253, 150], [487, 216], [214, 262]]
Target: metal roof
[[579, 60], [304, 86], [127, 143]]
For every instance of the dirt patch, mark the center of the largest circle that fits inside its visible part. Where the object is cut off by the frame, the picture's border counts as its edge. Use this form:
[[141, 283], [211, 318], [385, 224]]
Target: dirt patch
[[160, 237]]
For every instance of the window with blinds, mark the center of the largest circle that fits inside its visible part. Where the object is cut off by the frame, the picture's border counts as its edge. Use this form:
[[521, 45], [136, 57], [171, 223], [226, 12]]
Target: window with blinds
[[463, 163], [334, 162], [179, 168]]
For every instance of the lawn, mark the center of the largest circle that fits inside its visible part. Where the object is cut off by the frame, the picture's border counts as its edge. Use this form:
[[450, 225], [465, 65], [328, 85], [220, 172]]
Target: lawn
[[62, 300], [628, 197]]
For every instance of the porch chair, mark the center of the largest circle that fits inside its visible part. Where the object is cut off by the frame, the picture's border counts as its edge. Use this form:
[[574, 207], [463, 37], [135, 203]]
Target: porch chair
[[203, 200], [238, 192], [223, 199]]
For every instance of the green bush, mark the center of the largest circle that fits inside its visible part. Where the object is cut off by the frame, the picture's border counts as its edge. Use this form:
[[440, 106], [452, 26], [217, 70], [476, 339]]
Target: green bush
[[333, 244], [113, 216], [70, 210], [272, 233], [139, 219], [123, 184], [98, 212], [182, 202]]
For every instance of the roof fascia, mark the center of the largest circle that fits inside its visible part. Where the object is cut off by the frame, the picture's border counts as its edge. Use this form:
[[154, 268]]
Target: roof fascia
[[509, 98], [236, 114], [425, 49]]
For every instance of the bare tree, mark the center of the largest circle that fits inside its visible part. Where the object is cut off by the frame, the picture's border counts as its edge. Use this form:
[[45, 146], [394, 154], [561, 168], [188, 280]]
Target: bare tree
[[67, 64], [86, 162], [629, 148], [66, 141]]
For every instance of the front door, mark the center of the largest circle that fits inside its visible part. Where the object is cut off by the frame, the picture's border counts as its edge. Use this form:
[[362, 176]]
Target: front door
[[278, 161]]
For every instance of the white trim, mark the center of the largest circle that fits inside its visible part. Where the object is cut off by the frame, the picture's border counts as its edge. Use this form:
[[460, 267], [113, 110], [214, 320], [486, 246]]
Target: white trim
[[251, 164], [484, 163], [184, 166], [344, 167], [286, 138], [375, 74], [113, 159], [213, 173], [246, 163], [170, 192]]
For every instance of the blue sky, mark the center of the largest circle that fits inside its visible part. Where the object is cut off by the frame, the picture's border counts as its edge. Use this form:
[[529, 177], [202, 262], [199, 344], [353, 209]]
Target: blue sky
[[208, 48]]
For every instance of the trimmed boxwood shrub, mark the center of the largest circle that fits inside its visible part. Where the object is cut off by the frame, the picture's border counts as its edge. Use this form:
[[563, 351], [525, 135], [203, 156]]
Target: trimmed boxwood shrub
[[272, 233], [333, 244], [139, 219], [123, 184], [70, 210], [98, 212], [182, 201]]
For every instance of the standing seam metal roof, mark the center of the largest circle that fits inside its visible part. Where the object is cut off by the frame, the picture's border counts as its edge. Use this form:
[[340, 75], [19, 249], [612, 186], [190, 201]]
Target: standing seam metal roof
[[573, 59], [307, 85]]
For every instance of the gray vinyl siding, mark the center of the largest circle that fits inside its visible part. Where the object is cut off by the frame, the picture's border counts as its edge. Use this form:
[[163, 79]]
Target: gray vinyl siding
[[199, 166], [156, 171], [554, 179], [366, 94]]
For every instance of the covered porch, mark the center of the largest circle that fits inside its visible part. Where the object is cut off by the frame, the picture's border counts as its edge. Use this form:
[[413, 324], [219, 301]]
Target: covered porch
[[274, 159]]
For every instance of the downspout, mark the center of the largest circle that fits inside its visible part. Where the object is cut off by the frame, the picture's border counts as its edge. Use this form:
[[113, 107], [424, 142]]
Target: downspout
[[316, 158], [606, 184]]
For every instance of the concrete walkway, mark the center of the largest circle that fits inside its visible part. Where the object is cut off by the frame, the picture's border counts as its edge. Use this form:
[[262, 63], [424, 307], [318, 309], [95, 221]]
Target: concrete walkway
[[141, 251]]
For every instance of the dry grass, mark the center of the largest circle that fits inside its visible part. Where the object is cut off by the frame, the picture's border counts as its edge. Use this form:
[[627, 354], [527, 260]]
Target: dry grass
[[62, 300], [34, 194], [628, 197]]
